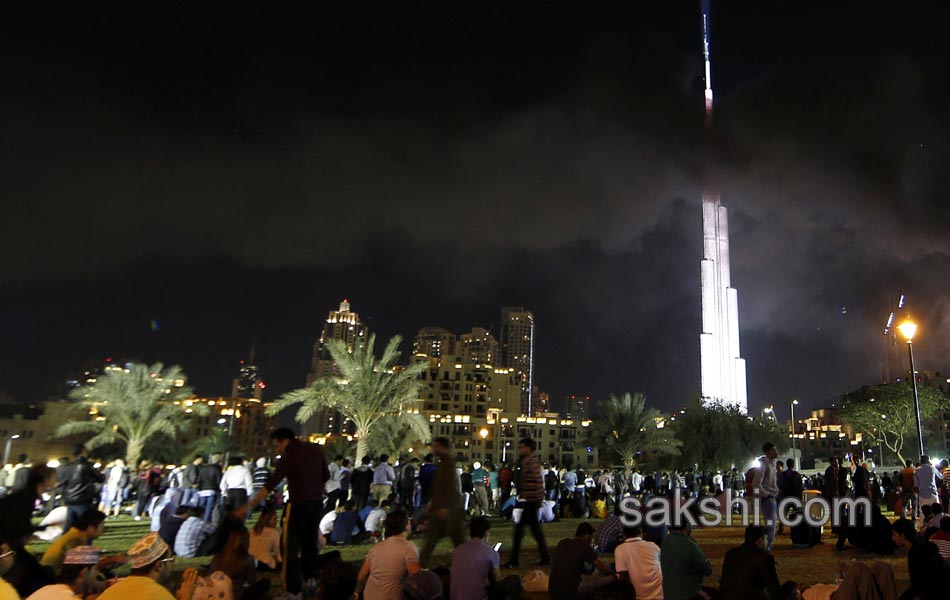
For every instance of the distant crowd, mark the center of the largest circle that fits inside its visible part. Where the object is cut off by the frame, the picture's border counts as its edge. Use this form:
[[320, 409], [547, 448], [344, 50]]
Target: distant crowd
[[306, 508]]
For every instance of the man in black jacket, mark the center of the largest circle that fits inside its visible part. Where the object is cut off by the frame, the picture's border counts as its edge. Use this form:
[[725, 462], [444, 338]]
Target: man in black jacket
[[209, 486], [189, 481], [79, 486], [749, 570]]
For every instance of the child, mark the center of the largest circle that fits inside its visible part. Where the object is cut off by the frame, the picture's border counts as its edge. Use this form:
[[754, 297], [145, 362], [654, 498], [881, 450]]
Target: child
[[265, 541], [237, 563]]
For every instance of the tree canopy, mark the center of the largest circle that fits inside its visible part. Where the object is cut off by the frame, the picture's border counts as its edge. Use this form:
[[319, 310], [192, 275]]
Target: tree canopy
[[367, 391], [626, 428], [132, 407], [715, 435], [885, 414]]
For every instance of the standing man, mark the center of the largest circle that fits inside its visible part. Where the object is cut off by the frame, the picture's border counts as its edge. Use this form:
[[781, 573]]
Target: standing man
[[332, 486], [925, 480], [305, 467], [908, 491], [426, 480], [480, 487], [189, 481], [445, 508], [407, 484], [766, 490], [383, 478], [360, 481], [79, 486], [209, 484], [531, 492]]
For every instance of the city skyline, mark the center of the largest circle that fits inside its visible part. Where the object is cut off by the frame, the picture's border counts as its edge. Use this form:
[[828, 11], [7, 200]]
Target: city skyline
[[174, 197]]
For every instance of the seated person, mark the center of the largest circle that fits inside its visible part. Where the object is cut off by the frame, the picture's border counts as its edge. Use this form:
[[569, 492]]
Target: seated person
[[933, 525], [235, 561], [573, 558], [941, 539], [151, 562], [368, 508], [347, 528], [389, 562], [87, 528], [749, 570], [545, 512], [597, 505], [169, 531], [195, 537], [326, 523], [475, 563], [684, 564], [610, 532], [928, 571], [337, 578], [265, 541], [77, 576], [638, 561], [859, 581], [7, 558], [374, 520], [875, 539]]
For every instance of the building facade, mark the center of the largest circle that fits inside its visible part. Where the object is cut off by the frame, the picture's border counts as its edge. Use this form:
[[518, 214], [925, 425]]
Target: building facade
[[343, 325], [517, 350]]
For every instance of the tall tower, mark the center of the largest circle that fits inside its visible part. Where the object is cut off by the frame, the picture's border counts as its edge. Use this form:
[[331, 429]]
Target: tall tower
[[517, 351], [248, 383], [343, 325], [723, 376]]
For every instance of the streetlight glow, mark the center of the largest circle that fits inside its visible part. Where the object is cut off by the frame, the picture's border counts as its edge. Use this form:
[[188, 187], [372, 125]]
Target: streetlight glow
[[908, 329], [483, 432]]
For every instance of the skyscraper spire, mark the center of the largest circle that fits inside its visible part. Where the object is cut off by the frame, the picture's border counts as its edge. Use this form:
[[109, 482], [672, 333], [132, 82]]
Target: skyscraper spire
[[723, 377]]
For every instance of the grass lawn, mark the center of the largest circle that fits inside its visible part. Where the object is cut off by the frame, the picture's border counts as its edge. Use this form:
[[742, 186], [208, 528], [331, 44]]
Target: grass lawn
[[805, 566]]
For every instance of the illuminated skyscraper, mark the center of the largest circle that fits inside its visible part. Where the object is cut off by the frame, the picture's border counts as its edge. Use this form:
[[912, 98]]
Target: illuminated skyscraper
[[723, 377], [517, 350], [343, 325], [248, 383]]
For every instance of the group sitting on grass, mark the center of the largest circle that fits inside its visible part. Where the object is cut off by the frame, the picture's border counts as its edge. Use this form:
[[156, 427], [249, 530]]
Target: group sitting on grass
[[652, 562]]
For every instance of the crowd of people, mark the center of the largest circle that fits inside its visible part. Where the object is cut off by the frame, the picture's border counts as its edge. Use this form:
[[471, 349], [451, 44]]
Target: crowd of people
[[200, 509]]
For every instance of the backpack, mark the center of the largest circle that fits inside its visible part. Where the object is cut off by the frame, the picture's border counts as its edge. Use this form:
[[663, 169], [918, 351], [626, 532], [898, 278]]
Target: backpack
[[749, 482], [550, 480]]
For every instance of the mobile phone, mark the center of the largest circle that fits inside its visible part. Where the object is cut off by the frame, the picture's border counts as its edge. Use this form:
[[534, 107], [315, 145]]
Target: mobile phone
[[497, 546]]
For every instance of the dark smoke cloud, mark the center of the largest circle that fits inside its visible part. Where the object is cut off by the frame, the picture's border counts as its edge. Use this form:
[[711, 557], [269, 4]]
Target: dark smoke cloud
[[559, 169]]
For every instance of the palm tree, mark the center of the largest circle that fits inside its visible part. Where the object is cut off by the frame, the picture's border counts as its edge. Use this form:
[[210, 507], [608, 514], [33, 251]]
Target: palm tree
[[627, 428], [367, 391], [130, 407], [219, 442]]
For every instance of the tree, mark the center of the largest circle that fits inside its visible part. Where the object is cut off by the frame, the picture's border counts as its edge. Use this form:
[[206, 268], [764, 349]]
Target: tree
[[884, 414], [394, 437], [367, 391], [132, 407], [627, 428], [716, 435], [219, 442]]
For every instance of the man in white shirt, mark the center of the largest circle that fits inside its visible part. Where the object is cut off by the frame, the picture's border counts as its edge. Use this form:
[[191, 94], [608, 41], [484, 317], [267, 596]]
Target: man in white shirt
[[237, 485], [717, 482], [374, 520], [636, 482], [925, 481], [639, 561], [765, 490], [332, 485]]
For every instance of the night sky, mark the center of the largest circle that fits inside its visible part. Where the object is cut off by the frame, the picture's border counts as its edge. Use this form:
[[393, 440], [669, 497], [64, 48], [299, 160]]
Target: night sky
[[234, 170]]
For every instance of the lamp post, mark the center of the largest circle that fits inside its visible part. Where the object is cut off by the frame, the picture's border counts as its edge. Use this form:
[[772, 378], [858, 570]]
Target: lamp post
[[908, 328], [794, 453], [6, 451]]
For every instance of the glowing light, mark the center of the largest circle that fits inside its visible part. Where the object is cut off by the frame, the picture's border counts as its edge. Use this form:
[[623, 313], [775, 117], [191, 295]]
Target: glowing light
[[908, 329]]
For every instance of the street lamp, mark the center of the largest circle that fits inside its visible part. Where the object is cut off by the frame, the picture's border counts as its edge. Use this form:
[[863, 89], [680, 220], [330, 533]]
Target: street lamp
[[794, 453], [6, 452], [908, 328]]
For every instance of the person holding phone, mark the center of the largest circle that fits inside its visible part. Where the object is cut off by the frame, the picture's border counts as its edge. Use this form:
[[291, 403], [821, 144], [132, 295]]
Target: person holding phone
[[475, 563]]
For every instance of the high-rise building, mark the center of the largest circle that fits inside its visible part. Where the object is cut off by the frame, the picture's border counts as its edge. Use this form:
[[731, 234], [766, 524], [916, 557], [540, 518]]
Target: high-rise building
[[248, 383], [343, 325], [578, 407], [478, 347], [517, 350], [434, 342], [542, 402], [723, 376]]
